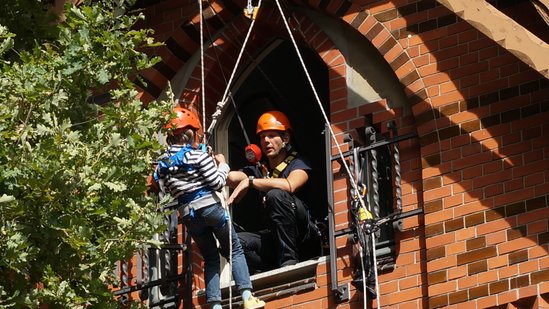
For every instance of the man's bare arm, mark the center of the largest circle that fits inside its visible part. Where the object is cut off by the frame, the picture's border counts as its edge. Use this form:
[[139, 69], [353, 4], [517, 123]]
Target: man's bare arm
[[294, 182], [235, 177]]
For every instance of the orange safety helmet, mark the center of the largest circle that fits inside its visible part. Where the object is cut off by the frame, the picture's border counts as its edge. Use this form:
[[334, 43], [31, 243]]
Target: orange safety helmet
[[184, 118], [273, 120]]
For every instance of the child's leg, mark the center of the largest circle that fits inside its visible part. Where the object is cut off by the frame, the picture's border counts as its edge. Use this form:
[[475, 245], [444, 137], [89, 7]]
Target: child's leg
[[203, 237], [240, 271], [226, 234]]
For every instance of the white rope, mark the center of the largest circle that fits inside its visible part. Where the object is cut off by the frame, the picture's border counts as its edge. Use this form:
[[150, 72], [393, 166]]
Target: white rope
[[203, 99], [230, 224], [250, 8], [224, 98], [332, 134], [357, 174], [202, 85]]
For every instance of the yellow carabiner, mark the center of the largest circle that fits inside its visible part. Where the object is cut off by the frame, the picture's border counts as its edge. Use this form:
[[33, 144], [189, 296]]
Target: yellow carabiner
[[251, 11]]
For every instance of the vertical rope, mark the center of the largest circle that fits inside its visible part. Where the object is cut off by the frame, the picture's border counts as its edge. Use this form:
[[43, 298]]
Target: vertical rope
[[229, 222], [202, 86], [225, 96], [332, 134], [375, 187]]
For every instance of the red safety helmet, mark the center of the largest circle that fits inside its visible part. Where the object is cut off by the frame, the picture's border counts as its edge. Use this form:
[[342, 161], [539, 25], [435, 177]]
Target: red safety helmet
[[273, 120], [184, 118]]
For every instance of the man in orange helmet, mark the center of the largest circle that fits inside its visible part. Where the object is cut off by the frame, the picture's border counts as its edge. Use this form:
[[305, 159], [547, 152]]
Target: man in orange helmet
[[190, 175], [281, 182]]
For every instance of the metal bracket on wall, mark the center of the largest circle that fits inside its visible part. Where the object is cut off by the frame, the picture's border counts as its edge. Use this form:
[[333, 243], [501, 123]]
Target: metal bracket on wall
[[341, 292]]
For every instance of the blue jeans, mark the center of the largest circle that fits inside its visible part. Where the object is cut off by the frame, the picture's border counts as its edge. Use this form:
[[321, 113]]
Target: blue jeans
[[205, 223]]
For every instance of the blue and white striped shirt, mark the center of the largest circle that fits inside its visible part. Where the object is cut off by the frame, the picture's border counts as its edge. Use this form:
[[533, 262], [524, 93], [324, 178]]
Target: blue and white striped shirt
[[197, 172]]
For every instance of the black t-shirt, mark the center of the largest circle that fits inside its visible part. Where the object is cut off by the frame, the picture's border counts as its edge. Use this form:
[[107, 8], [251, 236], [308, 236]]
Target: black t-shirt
[[296, 164], [249, 214]]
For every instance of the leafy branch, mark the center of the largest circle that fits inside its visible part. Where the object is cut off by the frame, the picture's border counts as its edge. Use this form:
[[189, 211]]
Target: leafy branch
[[73, 173]]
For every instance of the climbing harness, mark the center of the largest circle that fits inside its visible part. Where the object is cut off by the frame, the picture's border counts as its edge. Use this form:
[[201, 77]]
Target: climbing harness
[[282, 165]]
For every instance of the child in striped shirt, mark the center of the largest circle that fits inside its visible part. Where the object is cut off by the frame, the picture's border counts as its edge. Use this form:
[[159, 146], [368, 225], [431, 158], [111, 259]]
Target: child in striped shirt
[[191, 175]]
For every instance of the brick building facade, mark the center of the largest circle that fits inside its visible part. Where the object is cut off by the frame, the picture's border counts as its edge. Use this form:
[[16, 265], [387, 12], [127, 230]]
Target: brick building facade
[[477, 163]]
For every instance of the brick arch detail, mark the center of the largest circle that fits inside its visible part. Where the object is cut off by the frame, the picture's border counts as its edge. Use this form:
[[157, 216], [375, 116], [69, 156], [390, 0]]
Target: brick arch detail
[[357, 17], [272, 26], [180, 42], [183, 42]]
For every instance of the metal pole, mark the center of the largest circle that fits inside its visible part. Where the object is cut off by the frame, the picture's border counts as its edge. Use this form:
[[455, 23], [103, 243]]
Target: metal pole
[[340, 293]]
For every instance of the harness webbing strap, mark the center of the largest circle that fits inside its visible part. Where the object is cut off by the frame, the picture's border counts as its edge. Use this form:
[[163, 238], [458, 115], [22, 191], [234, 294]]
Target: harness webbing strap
[[282, 166]]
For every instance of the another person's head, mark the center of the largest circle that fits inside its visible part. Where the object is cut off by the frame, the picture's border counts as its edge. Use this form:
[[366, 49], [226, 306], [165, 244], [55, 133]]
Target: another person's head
[[273, 128], [183, 128]]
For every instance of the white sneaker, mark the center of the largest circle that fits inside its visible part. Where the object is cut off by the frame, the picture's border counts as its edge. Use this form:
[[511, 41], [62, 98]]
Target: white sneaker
[[253, 303]]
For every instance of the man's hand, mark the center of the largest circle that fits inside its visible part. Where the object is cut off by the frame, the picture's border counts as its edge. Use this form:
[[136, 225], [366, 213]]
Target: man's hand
[[239, 192]]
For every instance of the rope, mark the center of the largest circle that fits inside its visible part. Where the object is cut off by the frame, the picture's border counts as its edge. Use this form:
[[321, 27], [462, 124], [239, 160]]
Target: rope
[[332, 134], [224, 98], [216, 114], [202, 85], [230, 224], [225, 80], [357, 174]]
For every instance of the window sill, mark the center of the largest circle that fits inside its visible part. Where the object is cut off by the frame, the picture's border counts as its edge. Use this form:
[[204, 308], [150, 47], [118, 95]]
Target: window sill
[[277, 283]]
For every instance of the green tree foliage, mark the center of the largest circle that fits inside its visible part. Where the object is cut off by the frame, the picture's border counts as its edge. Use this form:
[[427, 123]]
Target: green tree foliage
[[32, 21], [72, 172]]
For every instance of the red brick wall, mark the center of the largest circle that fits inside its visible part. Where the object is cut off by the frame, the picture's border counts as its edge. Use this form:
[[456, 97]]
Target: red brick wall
[[480, 167]]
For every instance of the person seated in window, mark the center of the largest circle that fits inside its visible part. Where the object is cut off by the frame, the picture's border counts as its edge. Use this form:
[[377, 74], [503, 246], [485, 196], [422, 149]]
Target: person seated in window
[[281, 181]]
